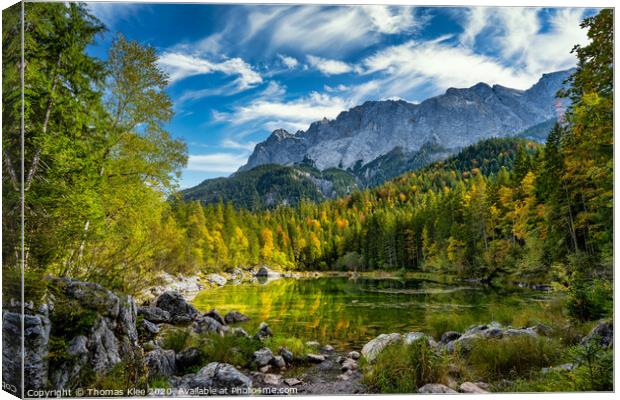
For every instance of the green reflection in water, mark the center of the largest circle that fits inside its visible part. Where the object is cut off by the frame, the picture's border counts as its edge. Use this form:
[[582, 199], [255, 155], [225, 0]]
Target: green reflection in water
[[346, 313]]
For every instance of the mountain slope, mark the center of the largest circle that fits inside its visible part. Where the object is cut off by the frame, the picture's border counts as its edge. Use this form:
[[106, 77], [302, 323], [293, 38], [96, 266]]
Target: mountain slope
[[458, 118]]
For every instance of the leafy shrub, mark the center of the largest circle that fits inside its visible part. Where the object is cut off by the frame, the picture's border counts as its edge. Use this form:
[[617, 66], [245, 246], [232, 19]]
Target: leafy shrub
[[235, 350], [404, 368], [594, 367], [512, 356], [590, 299]]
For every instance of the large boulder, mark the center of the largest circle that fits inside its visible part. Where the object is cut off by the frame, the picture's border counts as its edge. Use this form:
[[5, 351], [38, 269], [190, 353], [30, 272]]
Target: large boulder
[[180, 310], [223, 378], [372, 349], [262, 357], [603, 333], [266, 273], [154, 314], [216, 316], [161, 363]]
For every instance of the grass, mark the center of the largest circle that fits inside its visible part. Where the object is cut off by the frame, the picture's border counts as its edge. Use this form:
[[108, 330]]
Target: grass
[[402, 368], [295, 345], [234, 350], [494, 359], [177, 339]]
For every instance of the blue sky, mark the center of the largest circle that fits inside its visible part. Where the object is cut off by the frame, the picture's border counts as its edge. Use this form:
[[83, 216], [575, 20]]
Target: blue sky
[[239, 72]]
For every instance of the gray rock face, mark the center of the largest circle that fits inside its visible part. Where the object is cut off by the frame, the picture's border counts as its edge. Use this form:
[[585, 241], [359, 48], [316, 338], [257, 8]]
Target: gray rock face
[[154, 314], [161, 363], [148, 330], [458, 118], [216, 376], [235, 316], [372, 349], [36, 339]]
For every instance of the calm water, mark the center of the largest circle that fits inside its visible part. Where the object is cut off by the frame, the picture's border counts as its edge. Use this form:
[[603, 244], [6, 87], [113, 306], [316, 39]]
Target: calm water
[[346, 313]]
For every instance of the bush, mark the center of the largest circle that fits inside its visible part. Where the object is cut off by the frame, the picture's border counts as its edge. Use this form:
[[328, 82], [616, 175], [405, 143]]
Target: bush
[[176, 339], [404, 368], [512, 356], [594, 367], [590, 299], [235, 350]]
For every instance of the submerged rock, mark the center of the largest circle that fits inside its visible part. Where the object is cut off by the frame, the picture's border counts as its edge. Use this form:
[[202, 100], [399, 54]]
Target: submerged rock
[[372, 349], [235, 316], [435, 388]]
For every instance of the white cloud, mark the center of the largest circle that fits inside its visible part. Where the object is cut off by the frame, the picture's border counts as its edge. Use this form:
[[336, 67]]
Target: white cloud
[[216, 162], [234, 144], [391, 19], [290, 62], [329, 67], [180, 66], [337, 88], [111, 13]]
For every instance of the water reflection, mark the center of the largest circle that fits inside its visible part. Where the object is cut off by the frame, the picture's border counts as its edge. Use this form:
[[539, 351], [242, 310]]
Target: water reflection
[[348, 312]]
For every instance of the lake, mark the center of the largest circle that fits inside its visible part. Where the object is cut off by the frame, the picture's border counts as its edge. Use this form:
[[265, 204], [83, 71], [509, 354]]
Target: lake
[[348, 312]]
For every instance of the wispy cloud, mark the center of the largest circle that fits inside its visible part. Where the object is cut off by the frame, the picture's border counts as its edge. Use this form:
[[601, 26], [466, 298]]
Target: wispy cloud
[[180, 66], [329, 67], [289, 62], [111, 12], [216, 162]]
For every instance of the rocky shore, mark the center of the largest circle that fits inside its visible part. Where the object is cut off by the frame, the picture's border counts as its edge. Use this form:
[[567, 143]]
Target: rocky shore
[[85, 335]]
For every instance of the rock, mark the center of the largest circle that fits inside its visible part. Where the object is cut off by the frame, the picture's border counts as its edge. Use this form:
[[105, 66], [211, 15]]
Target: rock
[[372, 349], [222, 377], [262, 357], [511, 332], [36, 340], [327, 349], [469, 387], [349, 364], [272, 379], [412, 337], [492, 333], [154, 314], [354, 355], [161, 363], [180, 311], [449, 336], [315, 358], [265, 369], [292, 381], [435, 388], [235, 316], [188, 358], [205, 324], [186, 286], [475, 329], [216, 316], [286, 354], [484, 386], [603, 333], [263, 331], [216, 279], [266, 272], [240, 332], [542, 329], [148, 330], [463, 344], [278, 362], [313, 343]]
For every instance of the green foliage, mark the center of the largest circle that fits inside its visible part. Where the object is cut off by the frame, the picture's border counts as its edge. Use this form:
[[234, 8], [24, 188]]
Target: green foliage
[[176, 339], [234, 350], [513, 356], [404, 368], [590, 299], [594, 367]]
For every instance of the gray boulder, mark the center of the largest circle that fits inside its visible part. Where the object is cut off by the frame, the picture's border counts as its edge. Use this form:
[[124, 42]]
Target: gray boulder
[[204, 324], [266, 272], [354, 355], [449, 336], [469, 387], [180, 310], [154, 314], [240, 332], [262, 357], [235, 316], [148, 330], [287, 355], [315, 358], [221, 377], [278, 362], [372, 349], [188, 358], [216, 279], [161, 363], [603, 333], [435, 388], [216, 316], [263, 331]]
